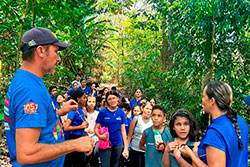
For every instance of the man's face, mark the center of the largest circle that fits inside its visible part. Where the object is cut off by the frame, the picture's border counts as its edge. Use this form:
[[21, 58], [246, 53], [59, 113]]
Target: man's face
[[53, 92], [51, 59]]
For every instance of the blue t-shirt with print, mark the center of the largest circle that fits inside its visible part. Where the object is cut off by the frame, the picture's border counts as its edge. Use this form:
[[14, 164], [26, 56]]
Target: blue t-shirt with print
[[77, 118], [28, 105], [113, 121], [221, 134], [87, 90]]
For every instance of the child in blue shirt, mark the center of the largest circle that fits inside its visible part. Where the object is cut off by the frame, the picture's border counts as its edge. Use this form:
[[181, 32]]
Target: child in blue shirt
[[83, 87], [74, 87], [154, 150], [74, 128], [114, 119]]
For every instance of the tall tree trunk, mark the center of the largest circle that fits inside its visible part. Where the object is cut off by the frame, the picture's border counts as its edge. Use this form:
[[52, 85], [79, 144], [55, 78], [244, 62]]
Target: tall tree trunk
[[164, 48], [20, 34]]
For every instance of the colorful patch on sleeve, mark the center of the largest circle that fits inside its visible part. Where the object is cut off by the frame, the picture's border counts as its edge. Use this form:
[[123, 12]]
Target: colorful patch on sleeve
[[58, 131], [30, 108], [6, 106], [6, 126]]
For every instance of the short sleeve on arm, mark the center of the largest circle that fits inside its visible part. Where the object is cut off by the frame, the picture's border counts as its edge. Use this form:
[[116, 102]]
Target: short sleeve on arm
[[31, 108], [123, 117], [215, 139], [99, 117], [71, 115]]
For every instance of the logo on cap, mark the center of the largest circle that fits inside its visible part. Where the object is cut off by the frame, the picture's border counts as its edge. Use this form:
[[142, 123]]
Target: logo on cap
[[31, 43]]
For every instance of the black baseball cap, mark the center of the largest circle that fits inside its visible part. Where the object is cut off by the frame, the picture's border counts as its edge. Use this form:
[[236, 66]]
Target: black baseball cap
[[40, 36]]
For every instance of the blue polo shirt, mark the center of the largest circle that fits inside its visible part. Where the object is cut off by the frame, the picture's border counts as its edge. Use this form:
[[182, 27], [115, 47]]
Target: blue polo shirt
[[29, 105], [133, 102], [87, 90], [77, 118], [113, 121], [221, 134]]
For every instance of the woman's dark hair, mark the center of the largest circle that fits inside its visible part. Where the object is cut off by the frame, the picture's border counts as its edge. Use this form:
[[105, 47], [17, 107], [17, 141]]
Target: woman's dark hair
[[111, 93], [126, 106], [76, 94], [123, 99], [159, 108], [222, 93], [139, 89], [87, 102], [193, 132], [77, 74], [102, 91], [82, 80]]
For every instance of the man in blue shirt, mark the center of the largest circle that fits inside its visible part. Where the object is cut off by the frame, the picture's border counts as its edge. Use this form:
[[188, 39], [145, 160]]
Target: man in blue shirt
[[33, 130]]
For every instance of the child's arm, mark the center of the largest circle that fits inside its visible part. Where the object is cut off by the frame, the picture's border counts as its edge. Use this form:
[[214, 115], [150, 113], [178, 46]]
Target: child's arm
[[166, 159], [180, 160], [142, 142], [131, 130], [124, 137]]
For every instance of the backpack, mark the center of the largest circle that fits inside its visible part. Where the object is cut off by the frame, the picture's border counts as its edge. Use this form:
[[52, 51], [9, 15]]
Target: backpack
[[103, 144]]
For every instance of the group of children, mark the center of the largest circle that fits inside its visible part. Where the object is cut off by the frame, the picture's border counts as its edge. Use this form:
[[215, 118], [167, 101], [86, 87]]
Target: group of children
[[136, 132]]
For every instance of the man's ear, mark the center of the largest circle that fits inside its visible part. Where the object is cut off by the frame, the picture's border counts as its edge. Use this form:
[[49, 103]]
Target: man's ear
[[40, 51]]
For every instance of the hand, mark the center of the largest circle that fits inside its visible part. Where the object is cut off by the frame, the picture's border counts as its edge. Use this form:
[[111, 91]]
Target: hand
[[90, 130], [70, 105], [159, 146], [195, 149], [186, 151], [125, 153], [85, 144], [177, 153], [104, 136], [84, 124], [171, 146]]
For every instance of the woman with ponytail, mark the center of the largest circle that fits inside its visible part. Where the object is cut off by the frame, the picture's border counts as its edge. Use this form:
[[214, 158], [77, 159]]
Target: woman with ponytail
[[225, 141]]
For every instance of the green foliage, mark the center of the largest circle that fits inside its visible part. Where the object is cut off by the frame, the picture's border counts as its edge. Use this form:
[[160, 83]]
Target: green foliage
[[210, 40]]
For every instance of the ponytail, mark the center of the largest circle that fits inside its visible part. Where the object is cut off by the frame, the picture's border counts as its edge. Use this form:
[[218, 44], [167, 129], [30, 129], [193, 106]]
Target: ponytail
[[232, 115]]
